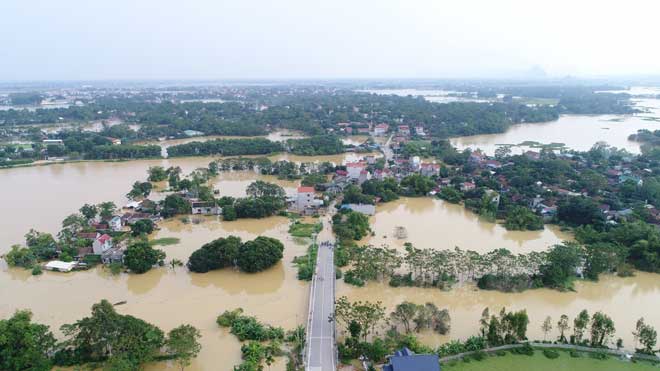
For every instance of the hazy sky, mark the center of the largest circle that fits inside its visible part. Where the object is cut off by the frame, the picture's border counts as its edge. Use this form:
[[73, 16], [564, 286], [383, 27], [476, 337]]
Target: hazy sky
[[238, 39]]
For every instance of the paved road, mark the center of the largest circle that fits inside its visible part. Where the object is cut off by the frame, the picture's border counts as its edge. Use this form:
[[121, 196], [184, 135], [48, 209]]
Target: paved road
[[320, 331], [387, 150]]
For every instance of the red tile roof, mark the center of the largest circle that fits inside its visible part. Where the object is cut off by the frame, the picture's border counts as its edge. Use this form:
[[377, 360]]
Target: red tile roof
[[305, 189], [103, 238]]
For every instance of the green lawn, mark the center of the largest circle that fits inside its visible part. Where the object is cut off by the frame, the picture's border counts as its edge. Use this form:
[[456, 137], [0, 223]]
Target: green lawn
[[164, 241], [539, 362], [298, 229]]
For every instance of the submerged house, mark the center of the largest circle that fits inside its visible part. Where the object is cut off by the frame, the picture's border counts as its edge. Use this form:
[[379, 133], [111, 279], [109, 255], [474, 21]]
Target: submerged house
[[406, 360], [204, 208]]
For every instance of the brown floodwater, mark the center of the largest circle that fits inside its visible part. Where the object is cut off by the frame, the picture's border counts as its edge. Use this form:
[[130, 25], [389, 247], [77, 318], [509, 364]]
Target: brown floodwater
[[276, 136], [167, 297], [578, 132], [433, 223], [41, 197], [623, 299]]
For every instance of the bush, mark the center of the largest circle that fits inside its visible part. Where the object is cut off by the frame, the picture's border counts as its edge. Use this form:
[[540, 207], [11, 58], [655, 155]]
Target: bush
[[92, 259], [115, 268], [36, 270], [500, 353], [575, 354], [598, 355], [550, 353], [352, 279], [526, 350], [249, 328], [479, 355]]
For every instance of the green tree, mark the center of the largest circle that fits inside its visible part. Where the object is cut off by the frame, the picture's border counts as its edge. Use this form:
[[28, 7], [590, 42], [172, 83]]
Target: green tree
[[563, 326], [183, 343], [106, 209], [259, 254], [20, 257], [404, 313], [140, 190], [520, 218], [157, 173], [141, 257], [648, 337], [546, 326], [366, 314], [602, 329], [25, 345], [173, 205], [107, 334], [561, 265], [43, 245], [89, 211], [216, 254], [261, 189], [580, 324], [143, 226]]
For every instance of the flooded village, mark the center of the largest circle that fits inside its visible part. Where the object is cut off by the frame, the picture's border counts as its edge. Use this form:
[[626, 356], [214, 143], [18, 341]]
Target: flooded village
[[415, 191]]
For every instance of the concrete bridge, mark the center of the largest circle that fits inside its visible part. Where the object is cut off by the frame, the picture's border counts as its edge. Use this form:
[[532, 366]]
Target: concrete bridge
[[320, 349]]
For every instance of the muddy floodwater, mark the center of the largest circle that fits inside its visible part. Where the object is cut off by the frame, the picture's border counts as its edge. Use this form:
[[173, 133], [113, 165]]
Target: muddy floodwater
[[578, 132], [436, 224], [623, 299], [41, 196], [167, 297]]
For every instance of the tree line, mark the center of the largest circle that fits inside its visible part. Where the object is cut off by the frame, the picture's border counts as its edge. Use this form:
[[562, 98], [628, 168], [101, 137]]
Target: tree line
[[106, 338]]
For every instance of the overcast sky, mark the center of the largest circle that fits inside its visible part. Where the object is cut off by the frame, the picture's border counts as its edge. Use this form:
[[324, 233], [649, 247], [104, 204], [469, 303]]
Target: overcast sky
[[251, 39]]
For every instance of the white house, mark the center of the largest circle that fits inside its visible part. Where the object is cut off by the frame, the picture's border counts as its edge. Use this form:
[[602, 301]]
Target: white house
[[354, 169], [305, 198], [429, 169], [60, 266], [381, 129], [115, 223], [102, 244]]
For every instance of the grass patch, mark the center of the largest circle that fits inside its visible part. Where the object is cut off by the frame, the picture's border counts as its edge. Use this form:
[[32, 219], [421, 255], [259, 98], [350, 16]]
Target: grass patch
[[539, 362], [165, 241], [306, 263], [298, 229]]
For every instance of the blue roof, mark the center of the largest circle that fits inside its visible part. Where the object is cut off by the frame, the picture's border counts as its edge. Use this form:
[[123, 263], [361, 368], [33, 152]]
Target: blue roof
[[407, 360]]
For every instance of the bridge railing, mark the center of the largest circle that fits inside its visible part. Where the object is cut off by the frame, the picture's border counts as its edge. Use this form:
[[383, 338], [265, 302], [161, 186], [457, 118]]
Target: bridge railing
[[308, 330]]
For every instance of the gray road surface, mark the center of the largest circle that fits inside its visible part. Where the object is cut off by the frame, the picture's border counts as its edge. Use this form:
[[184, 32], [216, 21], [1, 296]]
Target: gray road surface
[[321, 341]]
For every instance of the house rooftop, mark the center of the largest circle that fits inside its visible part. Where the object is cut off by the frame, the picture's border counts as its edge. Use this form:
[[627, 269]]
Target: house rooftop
[[305, 189], [103, 238], [407, 360]]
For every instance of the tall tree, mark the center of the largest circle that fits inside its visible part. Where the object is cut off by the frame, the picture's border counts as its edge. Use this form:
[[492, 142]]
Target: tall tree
[[25, 345], [563, 326], [580, 324], [546, 326], [404, 313], [602, 329], [183, 343]]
